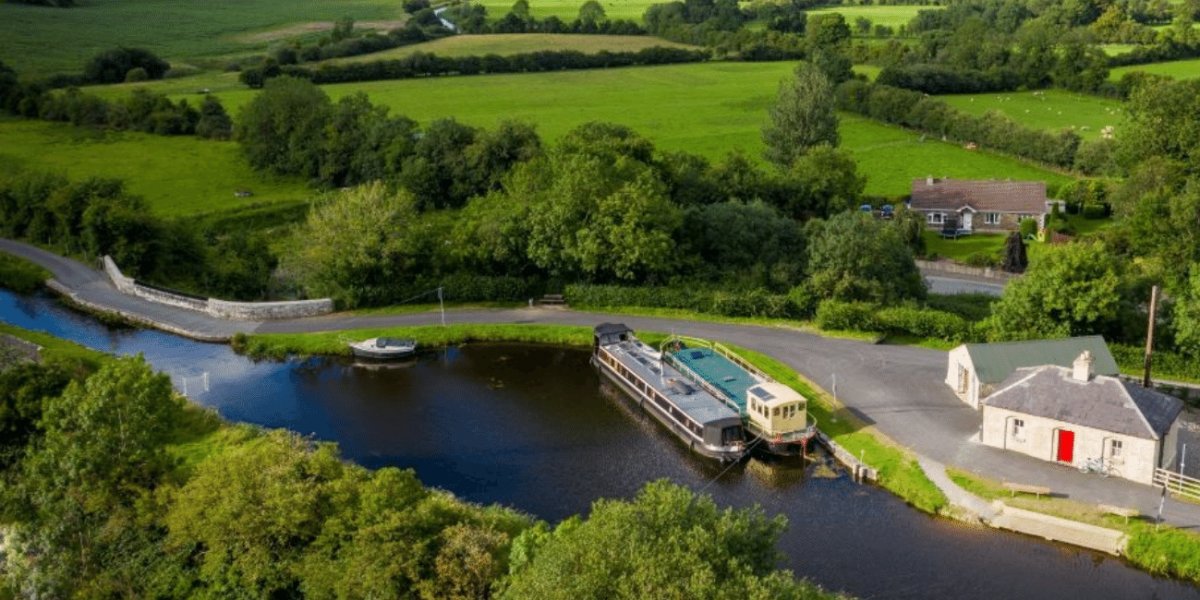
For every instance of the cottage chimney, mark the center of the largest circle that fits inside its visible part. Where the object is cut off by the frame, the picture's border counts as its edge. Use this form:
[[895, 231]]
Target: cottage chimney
[[929, 180], [1083, 367]]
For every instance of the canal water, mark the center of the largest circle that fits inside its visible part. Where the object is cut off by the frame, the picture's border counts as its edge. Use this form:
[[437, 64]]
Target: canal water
[[535, 428]]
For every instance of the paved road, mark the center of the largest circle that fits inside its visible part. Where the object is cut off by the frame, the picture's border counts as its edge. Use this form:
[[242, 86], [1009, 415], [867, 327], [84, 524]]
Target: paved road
[[898, 389]]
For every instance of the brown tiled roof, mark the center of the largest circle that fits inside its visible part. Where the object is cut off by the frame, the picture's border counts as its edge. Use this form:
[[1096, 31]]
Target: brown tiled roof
[[982, 195]]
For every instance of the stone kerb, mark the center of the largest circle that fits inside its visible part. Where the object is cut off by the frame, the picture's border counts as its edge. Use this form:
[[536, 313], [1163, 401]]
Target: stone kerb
[[946, 266], [225, 309]]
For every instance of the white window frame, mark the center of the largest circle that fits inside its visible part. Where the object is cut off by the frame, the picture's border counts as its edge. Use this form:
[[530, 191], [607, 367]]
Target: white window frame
[[1018, 430], [1115, 449], [991, 218], [936, 218]]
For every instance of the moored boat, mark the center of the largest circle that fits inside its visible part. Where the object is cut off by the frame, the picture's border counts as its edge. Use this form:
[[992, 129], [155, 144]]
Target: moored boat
[[702, 421], [384, 348], [775, 416]]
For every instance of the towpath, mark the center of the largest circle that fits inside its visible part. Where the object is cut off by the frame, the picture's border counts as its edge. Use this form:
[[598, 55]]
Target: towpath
[[897, 389]]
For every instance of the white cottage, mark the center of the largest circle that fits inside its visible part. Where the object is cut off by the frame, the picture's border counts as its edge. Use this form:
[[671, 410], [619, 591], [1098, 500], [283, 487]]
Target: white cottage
[[974, 370], [1072, 416]]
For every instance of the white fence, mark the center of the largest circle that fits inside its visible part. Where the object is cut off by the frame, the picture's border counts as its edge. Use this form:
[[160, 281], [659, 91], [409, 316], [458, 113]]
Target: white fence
[[1177, 483]]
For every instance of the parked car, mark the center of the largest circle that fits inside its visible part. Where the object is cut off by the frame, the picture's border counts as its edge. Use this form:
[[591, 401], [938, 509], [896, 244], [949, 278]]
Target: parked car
[[867, 208], [887, 211]]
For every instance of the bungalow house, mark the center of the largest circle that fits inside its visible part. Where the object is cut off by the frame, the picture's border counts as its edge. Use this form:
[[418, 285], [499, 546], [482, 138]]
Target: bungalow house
[[974, 370], [979, 205], [1071, 416]]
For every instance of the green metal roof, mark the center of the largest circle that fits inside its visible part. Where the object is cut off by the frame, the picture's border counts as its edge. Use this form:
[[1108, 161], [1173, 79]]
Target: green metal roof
[[994, 362], [730, 379]]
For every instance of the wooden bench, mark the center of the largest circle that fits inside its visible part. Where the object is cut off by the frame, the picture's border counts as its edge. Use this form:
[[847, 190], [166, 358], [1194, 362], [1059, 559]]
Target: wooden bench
[[553, 299], [1037, 490], [1120, 511]]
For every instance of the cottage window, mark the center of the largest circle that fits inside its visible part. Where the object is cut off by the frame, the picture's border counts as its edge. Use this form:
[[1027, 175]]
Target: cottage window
[[1018, 429], [1115, 447], [991, 218], [935, 218]]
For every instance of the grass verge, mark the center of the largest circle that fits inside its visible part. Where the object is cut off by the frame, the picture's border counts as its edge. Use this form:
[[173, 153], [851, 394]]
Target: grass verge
[[20, 275], [691, 315], [281, 345], [1161, 550], [57, 349]]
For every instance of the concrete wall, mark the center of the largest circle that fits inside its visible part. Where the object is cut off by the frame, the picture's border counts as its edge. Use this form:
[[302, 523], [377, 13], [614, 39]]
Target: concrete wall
[[241, 311], [947, 266], [1040, 440], [960, 357]]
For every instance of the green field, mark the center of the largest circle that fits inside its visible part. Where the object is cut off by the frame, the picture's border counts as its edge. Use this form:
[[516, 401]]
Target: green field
[[1116, 49], [1051, 110], [708, 109], [518, 43], [45, 40], [568, 10], [1179, 69], [892, 16], [178, 176]]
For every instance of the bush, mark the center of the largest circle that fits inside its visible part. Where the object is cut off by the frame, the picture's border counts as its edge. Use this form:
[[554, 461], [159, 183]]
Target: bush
[[727, 303], [1095, 211], [982, 259], [847, 316], [136, 74], [924, 322], [1029, 228]]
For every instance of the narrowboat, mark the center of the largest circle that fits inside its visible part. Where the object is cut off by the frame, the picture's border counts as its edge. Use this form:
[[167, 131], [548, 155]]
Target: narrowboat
[[705, 423], [775, 416]]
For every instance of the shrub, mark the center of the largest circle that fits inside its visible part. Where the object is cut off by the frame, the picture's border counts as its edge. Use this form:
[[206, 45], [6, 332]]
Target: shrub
[[1029, 228], [847, 316], [136, 74], [923, 322], [982, 259]]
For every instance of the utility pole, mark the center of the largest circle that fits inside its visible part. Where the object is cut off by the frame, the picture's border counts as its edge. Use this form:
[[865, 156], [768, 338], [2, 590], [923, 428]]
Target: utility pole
[[442, 306], [1150, 335]]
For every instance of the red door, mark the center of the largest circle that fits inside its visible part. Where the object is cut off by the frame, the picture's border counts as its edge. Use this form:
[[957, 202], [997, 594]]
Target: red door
[[1066, 445]]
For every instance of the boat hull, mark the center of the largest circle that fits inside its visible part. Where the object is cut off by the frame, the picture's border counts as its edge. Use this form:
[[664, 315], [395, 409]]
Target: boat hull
[[382, 354], [665, 420]]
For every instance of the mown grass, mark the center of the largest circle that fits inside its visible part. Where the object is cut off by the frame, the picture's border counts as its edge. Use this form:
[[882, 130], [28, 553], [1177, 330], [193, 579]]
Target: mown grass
[[898, 469], [962, 248], [1117, 49], [1050, 110], [178, 176], [42, 40], [568, 10], [505, 44], [692, 315], [708, 109], [20, 275], [57, 349], [1161, 550], [281, 345], [891, 15], [1179, 69]]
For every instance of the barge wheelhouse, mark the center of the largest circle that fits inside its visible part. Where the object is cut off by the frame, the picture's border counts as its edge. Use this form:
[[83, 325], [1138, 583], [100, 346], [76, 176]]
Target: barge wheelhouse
[[705, 423], [775, 415]]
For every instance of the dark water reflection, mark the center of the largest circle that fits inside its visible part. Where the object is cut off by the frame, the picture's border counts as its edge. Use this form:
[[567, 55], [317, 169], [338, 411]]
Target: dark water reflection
[[535, 428]]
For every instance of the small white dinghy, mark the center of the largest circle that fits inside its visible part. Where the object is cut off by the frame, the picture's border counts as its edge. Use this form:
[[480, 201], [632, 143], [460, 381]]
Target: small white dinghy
[[383, 348]]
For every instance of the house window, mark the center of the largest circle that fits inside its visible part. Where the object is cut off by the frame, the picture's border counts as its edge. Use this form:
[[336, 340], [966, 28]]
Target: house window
[[1018, 429], [1115, 447], [991, 218], [935, 218]]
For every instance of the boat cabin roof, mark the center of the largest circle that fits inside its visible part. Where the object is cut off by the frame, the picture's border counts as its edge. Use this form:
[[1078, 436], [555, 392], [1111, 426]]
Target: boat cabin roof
[[774, 394], [718, 371], [697, 403]]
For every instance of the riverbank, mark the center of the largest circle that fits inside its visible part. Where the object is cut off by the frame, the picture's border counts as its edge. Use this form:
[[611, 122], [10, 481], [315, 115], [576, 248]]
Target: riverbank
[[899, 471]]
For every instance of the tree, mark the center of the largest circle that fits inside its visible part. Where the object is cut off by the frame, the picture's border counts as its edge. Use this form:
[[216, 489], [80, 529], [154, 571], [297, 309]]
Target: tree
[[112, 66], [748, 240], [802, 117], [825, 181], [855, 257], [591, 13], [1185, 315], [666, 543], [1072, 289], [1164, 120], [23, 390], [1015, 260], [279, 130], [214, 123], [359, 246]]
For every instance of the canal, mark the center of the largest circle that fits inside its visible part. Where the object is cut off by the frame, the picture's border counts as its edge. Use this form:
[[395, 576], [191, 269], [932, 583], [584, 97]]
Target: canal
[[535, 428]]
